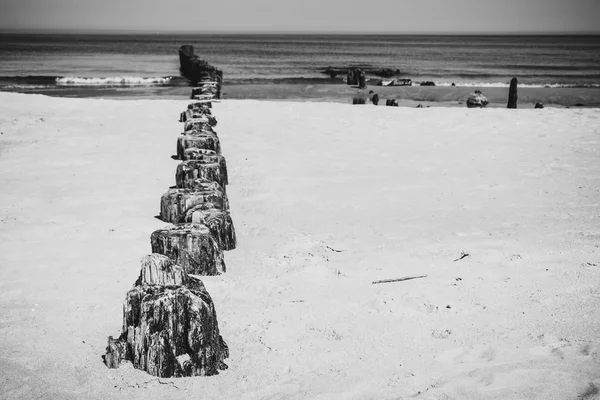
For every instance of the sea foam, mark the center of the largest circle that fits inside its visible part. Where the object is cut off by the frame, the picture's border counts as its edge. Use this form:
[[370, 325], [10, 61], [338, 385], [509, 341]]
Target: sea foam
[[112, 81]]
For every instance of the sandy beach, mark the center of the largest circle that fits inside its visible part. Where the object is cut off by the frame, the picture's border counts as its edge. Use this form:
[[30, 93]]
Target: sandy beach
[[325, 199]]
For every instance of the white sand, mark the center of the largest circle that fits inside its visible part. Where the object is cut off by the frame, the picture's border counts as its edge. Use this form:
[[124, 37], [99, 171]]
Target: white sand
[[326, 198]]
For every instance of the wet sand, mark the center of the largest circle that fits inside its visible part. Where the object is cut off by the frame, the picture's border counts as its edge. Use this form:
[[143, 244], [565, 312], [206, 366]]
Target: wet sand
[[408, 96]]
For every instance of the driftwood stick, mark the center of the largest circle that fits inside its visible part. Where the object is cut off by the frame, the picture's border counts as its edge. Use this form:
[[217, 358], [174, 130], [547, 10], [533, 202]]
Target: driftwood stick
[[462, 255], [406, 278]]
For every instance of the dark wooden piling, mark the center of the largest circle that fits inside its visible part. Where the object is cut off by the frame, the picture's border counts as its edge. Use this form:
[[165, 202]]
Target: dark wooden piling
[[208, 155], [192, 246], [512, 94], [200, 141], [218, 221], [206, 78], [362, 79], [351, 77], [208, 169], [177, 202]]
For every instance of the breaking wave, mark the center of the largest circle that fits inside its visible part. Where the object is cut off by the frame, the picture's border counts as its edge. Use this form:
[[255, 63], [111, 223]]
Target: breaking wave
[[113, 81]]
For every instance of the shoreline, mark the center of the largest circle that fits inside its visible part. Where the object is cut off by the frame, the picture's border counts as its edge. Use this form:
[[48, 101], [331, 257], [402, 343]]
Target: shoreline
[[407, 96]]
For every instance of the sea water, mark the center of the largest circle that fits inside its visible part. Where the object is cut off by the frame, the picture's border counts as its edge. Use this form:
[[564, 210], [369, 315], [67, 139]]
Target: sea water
[[110, 60]]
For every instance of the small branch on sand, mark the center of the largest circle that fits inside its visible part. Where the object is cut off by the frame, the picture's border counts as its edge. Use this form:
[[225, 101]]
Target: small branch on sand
[[462, 255], [332, 249], [406, 278]]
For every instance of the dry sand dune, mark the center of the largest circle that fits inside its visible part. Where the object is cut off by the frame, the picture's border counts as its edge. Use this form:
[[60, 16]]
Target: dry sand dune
[[326, 198]]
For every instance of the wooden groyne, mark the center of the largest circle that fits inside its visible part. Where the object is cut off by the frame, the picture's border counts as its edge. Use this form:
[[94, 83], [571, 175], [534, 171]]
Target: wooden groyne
[[199, 73], [170, 326]]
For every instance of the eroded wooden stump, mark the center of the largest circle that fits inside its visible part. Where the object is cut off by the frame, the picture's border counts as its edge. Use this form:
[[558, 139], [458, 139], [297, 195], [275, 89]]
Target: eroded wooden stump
[[176, 202], [197, 71], [207, 142], [116, 351], [206, 169], [200, 104], [192, 246], [170, 326], [158, 269], [199, 116], [207, 89], [199, 109], [198, 126], [362, 79], [172, 331], [218, 221], [209, 155], [203, 97]]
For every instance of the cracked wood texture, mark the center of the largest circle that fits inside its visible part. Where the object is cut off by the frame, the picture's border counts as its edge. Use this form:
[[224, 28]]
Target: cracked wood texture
[[192, 246], [197, 116], [192, 113], [198, 126], [200, 141], [219, 223], [170, 326], [176, 202], [206, 169], [194, 153]]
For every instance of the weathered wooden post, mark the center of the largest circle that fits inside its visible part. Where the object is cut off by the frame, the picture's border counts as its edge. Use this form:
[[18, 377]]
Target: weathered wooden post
[[190, 245], [195, 112], [195, 117], [176, 202], [198, 126], [218, 222], [197, 72], [205, 169], [170, 326], [362, 80], [350, 77], [200, 141], [193, 153], [512, 93], [186, 54]]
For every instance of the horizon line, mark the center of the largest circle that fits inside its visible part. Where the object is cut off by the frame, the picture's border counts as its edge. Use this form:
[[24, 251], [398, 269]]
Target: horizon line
[[298, 33]]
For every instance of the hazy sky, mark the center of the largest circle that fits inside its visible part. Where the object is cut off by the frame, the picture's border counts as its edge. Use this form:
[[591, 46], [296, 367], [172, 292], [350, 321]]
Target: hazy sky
[[394, 16]]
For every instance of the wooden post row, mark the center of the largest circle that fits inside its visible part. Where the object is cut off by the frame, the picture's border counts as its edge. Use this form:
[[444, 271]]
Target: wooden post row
[[170, 326]]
